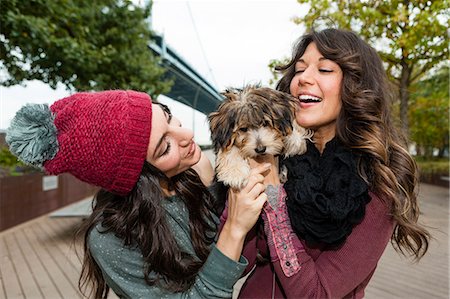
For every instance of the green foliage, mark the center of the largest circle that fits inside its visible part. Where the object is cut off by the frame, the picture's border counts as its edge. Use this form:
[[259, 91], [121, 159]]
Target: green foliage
[[84, 44], [434, 164], [410, 36], [7, 159], [276, 75], [404, 32], [430, 169], [9, 165], [429, 113]]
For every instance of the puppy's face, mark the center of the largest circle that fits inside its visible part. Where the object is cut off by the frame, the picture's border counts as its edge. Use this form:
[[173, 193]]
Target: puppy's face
[[259, 141], [255, 120]]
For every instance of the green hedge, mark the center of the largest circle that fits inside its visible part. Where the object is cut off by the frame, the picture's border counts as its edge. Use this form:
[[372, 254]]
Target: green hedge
[[9, 165], [437, 166], [432, 170]]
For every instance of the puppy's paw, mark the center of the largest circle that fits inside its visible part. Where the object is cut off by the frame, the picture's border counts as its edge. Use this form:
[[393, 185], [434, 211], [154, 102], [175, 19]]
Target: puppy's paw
[[236, 178], [238, 183], [232, 169]]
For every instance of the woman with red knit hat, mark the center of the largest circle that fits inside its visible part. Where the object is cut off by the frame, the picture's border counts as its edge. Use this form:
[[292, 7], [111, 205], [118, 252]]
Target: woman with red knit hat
[[153, 229]]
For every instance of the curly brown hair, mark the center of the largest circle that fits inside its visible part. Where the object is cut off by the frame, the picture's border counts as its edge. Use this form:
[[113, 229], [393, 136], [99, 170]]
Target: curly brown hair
[[365, 125]]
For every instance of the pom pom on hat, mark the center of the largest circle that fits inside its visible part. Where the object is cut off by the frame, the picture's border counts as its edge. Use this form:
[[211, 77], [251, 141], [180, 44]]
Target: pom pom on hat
[[99, 137], [32, 135]]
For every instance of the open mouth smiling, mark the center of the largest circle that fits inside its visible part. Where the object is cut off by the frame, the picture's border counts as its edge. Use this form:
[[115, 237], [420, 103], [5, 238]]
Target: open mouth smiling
[[304, 98]]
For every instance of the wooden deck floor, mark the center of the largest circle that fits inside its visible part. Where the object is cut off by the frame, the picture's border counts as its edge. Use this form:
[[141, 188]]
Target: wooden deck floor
[[398, 277], [37, 259]]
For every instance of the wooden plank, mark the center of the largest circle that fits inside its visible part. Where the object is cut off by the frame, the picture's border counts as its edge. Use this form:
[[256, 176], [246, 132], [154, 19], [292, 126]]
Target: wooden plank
[[61, 250], [10, 280], [398, 277], [22, 268], [67, 225], [2, 286], [49, 267], [58, 233], [57, 270], [402, 287], [43, 279], [419, 274], [66, 242]]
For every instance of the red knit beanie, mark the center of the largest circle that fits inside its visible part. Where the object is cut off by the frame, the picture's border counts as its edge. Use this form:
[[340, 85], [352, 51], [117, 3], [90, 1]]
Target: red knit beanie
[[102, 138]]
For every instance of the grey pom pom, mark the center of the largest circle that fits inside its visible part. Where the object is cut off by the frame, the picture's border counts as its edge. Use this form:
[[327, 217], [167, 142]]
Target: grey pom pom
[[32, 135]]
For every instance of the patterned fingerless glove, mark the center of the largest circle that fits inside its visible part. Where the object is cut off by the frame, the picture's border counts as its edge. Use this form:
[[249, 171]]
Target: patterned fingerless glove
[[282, 241]]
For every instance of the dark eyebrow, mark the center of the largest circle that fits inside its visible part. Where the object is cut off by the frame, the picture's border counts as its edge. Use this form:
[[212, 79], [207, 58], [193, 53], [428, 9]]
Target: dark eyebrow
[[168, 116], [320, 59], [166, 110]]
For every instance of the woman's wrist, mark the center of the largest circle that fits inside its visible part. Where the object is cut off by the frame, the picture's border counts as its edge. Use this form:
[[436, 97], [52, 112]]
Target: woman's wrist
[[231, 241]]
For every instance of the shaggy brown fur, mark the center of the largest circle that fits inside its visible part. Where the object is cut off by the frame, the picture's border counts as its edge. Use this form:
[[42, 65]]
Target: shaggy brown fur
[[251, 122]]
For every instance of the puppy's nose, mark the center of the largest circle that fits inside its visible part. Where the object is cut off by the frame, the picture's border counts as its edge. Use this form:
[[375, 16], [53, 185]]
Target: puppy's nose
[[260, 149]]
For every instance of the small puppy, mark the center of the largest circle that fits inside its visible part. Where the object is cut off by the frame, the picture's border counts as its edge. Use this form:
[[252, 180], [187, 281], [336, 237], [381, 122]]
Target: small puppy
[[252, 122]]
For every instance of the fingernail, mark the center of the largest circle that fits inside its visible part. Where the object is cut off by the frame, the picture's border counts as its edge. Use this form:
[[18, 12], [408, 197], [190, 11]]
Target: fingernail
[[267, 165]]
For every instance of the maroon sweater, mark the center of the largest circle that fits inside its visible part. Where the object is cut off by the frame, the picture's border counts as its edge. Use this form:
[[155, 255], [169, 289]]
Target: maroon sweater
[[342, 273]]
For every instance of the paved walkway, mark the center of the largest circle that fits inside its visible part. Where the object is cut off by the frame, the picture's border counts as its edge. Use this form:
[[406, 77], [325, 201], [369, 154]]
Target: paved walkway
[[398, 277], [37, 258]]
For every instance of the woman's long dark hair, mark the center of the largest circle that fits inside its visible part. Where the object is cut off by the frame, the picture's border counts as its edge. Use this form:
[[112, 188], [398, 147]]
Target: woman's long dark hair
[[365, 125], [139, 219]]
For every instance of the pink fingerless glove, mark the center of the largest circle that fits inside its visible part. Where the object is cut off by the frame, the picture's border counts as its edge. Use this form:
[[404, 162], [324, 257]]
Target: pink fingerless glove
[[282, 241]]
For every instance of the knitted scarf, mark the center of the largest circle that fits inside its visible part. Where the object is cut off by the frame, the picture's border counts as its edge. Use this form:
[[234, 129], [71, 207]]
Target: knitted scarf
[[326, 197]]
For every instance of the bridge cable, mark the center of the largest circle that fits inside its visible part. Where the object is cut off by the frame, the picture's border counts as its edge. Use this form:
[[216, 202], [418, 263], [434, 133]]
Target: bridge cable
[[201, 45]]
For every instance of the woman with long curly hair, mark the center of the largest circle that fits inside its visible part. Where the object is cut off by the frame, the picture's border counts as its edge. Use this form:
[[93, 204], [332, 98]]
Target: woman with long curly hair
[[354, 189], [153, 229]]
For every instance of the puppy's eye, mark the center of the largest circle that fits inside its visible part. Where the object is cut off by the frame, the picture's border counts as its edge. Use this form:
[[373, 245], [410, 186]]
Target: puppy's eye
[[243, 129]]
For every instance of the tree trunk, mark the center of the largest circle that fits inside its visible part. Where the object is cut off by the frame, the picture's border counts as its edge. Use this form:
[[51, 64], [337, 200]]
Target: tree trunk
[[445, 147], [404, 98], [418, 150]]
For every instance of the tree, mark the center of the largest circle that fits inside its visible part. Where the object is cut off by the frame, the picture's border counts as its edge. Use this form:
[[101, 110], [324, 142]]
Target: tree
[[84, 44], [410, 36], [429, 113]]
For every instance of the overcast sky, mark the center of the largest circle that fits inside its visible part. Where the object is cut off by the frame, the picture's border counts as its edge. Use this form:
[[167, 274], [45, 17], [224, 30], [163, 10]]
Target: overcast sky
[[229, 42]]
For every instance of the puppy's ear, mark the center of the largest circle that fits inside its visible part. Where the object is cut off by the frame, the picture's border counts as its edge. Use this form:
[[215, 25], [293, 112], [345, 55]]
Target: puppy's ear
[[283, 110], [221, 125], [291, 101], [223, 121]]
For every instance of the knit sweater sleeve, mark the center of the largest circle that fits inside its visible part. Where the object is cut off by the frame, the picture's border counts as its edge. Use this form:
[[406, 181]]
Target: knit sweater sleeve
[[336, 273], [122, 268]]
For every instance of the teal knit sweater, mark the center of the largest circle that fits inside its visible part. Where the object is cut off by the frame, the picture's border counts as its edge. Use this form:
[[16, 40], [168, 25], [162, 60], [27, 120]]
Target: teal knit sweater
[[122, 266]]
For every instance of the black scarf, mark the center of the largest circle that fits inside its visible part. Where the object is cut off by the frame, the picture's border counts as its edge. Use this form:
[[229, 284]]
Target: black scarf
[[326, 197]]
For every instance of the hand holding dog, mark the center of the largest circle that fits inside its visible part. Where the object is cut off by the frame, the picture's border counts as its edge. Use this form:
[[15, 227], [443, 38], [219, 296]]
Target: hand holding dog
[[271, 176], [244, 208], [281, 239]]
